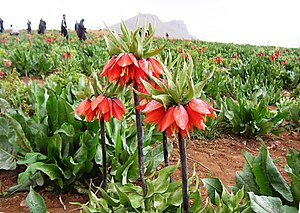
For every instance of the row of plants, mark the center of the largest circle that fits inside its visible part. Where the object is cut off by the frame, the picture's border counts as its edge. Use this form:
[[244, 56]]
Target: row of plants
[[41, 131]]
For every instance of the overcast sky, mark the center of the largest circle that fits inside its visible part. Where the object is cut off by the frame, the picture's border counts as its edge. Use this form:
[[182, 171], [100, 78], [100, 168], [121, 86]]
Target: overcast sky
[[260, 22]]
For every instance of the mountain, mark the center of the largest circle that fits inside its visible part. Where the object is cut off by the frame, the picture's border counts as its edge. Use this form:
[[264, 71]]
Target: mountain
[[175, 28]]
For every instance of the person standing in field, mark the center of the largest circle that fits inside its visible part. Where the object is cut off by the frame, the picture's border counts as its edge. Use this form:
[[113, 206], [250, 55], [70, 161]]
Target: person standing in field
[[1, 26], [29, 26], [76, 26], [81, 31], [64, 29], [42, 27]]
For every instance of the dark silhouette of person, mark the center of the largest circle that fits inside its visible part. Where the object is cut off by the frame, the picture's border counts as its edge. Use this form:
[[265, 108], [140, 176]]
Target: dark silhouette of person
[[1, 26], [167, 35], [64, 29], [76, 26], [81, 31], [29, 27], [42, 27]]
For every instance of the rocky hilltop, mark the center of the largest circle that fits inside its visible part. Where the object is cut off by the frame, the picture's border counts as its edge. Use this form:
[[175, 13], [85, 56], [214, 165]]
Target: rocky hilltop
[[175, 28]]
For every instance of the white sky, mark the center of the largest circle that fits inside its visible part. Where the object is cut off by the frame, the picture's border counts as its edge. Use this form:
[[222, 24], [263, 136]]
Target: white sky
[[260, 22]]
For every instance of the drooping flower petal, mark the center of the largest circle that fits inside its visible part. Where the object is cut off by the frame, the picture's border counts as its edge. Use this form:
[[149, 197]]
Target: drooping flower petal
[[118, 109], [155, 67], [108, 66], [199, 106], [168, 118], [83, 107], [151, 106], [124, 60], [181, 117], [154, 116], [97, 101]]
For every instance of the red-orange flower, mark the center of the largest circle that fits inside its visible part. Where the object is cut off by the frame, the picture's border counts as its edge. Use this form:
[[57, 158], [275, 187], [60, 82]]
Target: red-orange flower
[[66, 55], [272, 57], [178, 118], [284, 62], [108, 107], [120, 68], [126, 67], [261, 54], [7, 63], [84, 108], [219, 59], [101, 107]]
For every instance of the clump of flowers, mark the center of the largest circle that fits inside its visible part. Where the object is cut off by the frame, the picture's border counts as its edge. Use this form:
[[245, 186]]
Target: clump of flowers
[[132, 59], [101, 107], [7, 63], [67, 55], [176, 108]]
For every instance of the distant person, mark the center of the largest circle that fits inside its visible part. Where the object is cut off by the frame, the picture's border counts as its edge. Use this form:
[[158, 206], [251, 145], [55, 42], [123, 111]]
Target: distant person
[[14, 30], [64, 29], [42, 27], [1, 26], [76, 26], [167, 35], [29, 26], [81, 31]]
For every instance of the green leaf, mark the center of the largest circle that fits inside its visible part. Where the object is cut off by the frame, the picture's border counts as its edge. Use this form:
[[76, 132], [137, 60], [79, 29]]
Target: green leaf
[[197, 204], [162, 182], [295, 184], [112, 48], [111, 201], [266, 204], [35, 202], [246, 180], [54, 147], [199, 86], [277, 181], [154, 52], [67, 129], [21, 141], [31, 158], [213, 185], [173, 91], [155, 157], [124, 199], [51, 170], [176, 198], [7, 152], [260, 173]]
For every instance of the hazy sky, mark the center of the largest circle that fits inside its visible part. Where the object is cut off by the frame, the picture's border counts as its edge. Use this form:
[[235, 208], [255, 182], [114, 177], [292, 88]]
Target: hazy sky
[[267, 22]]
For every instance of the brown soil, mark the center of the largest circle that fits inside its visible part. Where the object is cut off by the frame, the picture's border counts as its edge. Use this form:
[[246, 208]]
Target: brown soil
[[219, 158]]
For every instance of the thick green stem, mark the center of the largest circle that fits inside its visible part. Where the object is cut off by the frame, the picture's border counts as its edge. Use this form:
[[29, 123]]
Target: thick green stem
[[165, 146], [184, 173], [104, 162], [140, 140]]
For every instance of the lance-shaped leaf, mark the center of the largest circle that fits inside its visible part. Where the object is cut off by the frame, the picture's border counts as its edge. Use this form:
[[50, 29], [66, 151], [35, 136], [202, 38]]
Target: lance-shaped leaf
[[112, 48]]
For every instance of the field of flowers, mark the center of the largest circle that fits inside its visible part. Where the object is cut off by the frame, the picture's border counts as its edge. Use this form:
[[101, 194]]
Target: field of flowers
[[105, 113]]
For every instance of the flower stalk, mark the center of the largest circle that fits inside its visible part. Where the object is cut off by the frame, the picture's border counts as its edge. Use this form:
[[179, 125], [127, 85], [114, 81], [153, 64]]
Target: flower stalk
[[140, 140], [104, 161], [184, 173]]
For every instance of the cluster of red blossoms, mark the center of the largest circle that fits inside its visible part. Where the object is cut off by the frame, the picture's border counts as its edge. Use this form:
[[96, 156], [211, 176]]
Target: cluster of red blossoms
[[7, 63], [178, 118], [50, 40], [126, 67], [219, 59], [66, 55], [101, 107]]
